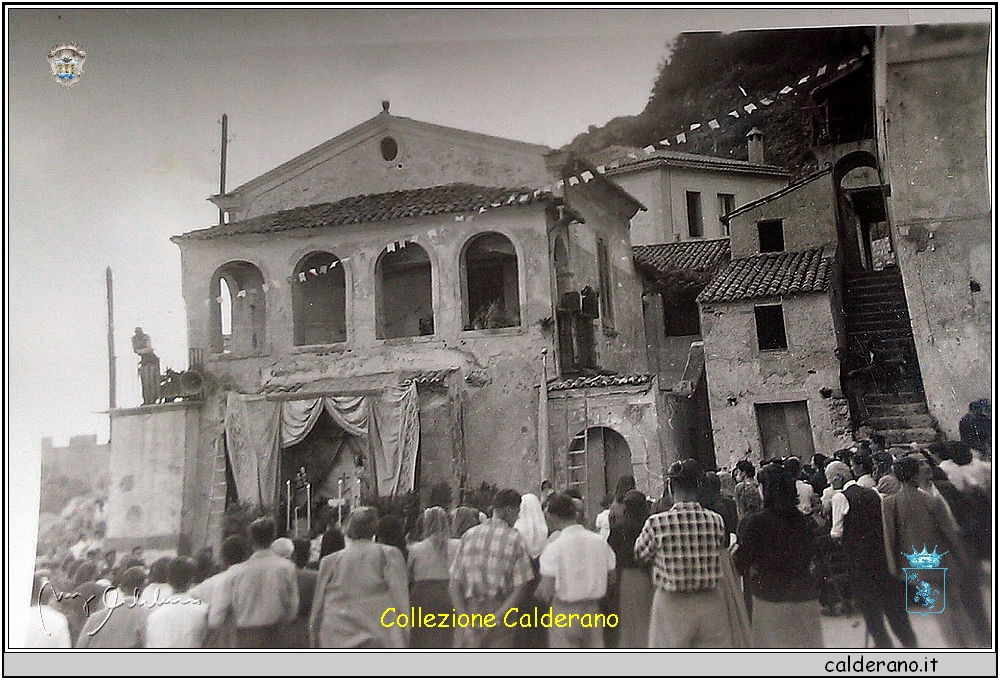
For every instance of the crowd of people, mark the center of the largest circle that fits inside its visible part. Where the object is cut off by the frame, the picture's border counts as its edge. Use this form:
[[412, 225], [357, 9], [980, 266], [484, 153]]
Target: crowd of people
[[748, 557]]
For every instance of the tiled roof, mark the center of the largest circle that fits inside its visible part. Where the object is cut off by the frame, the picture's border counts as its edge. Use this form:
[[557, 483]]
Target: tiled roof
[[394, 205], [598, 381], [617, 159], [770, 275], [700, 255]]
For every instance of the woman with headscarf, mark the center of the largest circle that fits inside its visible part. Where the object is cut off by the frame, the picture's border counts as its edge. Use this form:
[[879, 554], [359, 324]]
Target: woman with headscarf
[[531, 524], [355, 587], [634, 588], [534, 530], [428, 563], [775, 552]]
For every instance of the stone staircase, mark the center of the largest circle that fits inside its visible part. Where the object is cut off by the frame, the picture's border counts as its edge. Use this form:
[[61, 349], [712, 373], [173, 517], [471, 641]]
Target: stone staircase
[[878, 325]]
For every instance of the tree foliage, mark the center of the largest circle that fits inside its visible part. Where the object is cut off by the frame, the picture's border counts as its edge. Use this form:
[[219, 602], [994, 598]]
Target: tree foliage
[[702, 79]]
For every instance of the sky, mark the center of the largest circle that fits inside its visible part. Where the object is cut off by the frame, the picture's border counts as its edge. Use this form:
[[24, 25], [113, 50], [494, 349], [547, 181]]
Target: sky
[[101, 174]]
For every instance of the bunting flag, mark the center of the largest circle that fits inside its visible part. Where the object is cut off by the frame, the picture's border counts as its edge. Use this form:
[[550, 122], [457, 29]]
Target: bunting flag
[[785, 90], [323, 268], [573, 181], [586, 176], [314, 272], [750, 108], [391, 247], [681, 138], [766, 101], [611, 166], [734, 114], [695, 126], [864, 51], [665, 142], [803, 80], [241, 294], [264, 287], [649, 149], [302, 276], [600, 169], [632, 155], [821, 71], [714, 124]]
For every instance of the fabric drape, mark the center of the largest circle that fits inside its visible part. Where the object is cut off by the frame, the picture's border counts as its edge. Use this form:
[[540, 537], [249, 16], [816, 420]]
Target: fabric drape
[[257, 429], [252, 425]]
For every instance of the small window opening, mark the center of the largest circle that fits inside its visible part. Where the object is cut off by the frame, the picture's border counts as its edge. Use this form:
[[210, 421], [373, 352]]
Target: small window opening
[[389, 148], [238, 309], [695, 223], [727, 204], [770, 327], [772, 236]]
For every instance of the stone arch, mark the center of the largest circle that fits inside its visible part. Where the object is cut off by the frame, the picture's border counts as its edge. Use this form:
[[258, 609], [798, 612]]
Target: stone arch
[[404, 292], [319, 300], [491, 289], [238, 309], [861, 211]]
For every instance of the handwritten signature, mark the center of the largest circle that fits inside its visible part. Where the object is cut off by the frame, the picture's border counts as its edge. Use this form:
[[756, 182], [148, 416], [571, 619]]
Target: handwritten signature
[[112, 598]]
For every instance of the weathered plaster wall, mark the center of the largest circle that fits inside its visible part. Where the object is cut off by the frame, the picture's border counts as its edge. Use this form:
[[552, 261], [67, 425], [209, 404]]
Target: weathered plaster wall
[[622, 347], [933, 152], [428, 156], [808, 214], [746, 188], [153, 452], [653, 224], [662, 191], [629, 411], [501, 367], [738, 372]]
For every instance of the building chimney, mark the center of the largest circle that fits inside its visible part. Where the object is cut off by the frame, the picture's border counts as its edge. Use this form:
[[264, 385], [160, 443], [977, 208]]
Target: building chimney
[[755, 146]]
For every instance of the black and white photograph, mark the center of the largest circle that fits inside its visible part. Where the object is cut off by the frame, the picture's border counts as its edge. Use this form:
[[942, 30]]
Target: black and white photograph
[[534, 329]]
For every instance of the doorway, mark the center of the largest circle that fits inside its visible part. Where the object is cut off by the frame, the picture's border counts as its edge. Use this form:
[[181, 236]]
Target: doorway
[[785, 430], [598, 458]]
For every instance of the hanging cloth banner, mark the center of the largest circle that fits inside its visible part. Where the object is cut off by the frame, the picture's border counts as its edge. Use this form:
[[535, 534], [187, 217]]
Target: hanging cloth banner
[[252, 445], [395, 439]]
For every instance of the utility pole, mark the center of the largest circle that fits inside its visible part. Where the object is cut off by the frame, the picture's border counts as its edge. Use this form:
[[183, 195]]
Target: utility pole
[[222, 169], [112, 374]]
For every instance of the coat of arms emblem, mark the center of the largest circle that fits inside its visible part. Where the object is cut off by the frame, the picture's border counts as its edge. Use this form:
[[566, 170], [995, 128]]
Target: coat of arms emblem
[[925, 582], [66, 61]]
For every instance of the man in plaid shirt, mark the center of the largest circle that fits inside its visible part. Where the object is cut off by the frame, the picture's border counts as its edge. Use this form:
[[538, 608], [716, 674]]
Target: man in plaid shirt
[[491, 573], [684, 542]]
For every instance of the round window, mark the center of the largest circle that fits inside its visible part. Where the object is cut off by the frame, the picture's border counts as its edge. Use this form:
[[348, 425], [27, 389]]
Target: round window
[[390, 149]]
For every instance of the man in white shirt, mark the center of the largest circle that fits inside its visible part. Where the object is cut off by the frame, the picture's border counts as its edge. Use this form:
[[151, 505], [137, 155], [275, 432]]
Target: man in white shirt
[[839, 477], [863, 467], [181, 621], [576, 569]]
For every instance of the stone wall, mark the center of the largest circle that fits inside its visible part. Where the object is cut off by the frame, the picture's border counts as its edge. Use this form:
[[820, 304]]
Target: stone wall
[[740, 376], [428, 155], [933, 152], [808, 213], [662, 190], [154, 454], [631, 411]]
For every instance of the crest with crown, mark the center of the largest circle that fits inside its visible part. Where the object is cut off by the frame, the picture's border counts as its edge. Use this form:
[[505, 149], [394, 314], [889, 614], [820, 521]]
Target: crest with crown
[[924, 559]]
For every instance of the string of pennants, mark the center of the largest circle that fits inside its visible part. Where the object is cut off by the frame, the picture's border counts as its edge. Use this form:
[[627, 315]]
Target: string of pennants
[[304, 275], [520, 197], [681, 137]]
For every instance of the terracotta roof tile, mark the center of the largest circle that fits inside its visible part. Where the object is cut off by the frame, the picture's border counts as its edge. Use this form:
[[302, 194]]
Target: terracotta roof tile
[[770, 275], [598, 381], [393, 205], [698, 255]]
